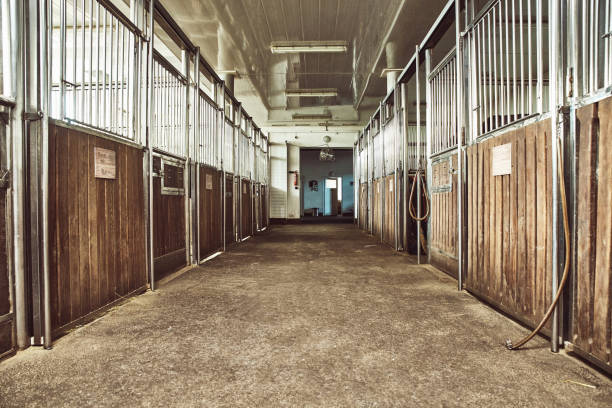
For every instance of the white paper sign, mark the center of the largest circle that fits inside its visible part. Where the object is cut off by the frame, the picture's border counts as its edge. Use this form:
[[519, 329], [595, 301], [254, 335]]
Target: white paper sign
[[209, 182], [501, 160], [105, 163]]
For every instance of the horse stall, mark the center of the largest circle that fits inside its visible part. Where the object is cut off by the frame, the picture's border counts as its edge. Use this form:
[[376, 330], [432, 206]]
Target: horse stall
[[210, 216], [246, 205], [97, 240], [230, 231]]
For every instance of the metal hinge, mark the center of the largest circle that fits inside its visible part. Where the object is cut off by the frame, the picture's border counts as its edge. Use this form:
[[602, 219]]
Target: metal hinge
[[5, 178]]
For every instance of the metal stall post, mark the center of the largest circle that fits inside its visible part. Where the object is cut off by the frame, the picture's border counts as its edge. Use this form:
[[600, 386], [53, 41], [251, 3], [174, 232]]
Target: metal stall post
[[555, 84], [149, 147], [417, 176], [196, 143], [45, 66], [221, 90], [459, 130], [396, 195], [190, 239], [428, 128], [370, 179], [404, 115], [237, 196], [382, 185]]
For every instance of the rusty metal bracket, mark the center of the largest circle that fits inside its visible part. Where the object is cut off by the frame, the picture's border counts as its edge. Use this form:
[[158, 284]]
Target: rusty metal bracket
[[32, 116]]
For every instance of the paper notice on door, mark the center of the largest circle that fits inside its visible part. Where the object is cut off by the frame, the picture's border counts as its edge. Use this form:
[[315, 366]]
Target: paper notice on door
[[105, 163], [501, 160], [209, 183]]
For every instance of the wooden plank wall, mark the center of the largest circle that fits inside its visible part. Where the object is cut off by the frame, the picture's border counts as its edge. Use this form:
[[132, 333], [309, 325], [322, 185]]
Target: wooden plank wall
[[229, 209], [592, 314], [96, 226], [509, 224], [443, 219], [6, 328], [210, 211], [168, 231], [363, 206], [389, 222], [376, 207], [265, 219], [247, 209]]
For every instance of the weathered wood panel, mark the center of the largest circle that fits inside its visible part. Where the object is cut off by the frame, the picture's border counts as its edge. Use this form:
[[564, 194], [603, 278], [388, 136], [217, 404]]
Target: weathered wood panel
[[443, 216], [168, 231], [509, 237], [210, 211], [247, 209], [6, 328], [592, 317], [377, 196], [265, 218], [96, 226], [230, 235], [389, 219]]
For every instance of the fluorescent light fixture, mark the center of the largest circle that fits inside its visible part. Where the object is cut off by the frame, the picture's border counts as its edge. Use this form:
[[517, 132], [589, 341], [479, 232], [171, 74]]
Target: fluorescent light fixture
[[319, 116], [386, 71], [296, 47], [312, 92]]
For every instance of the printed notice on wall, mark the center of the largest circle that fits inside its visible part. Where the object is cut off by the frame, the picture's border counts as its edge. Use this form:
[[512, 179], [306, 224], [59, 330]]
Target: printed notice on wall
[[105, 163], [501, 159], [390, 186], [244, 189], [209, 182]]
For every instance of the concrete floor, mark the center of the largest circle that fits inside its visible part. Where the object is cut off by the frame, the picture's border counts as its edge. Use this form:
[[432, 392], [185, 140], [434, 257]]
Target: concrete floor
[[305, 315]]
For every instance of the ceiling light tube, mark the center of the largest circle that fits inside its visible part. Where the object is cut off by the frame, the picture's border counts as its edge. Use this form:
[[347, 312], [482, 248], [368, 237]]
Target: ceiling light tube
[[296, 47], [305, 116], [312, 92]]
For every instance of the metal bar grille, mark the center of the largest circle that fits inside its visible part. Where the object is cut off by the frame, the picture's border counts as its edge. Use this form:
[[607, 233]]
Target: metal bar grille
[[444, 104], [94, 54], [509, 45]]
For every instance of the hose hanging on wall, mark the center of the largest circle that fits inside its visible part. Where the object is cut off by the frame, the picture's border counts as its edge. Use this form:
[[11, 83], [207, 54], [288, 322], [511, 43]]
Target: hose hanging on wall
[[419, 174], [549, 312]]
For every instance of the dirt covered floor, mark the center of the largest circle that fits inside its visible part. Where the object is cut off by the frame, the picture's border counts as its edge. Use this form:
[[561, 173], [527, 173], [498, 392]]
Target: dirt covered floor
[[303, 315]]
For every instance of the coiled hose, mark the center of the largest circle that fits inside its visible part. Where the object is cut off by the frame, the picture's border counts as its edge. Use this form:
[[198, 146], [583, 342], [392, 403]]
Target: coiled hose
[[419, 173], [549, 312]]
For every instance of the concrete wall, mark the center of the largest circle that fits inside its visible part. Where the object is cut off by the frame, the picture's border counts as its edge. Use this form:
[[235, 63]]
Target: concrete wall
[[314, 169]]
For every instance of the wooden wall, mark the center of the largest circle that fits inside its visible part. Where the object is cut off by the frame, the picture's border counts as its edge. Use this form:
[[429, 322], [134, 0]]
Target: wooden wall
[[376, 207], [96, 226], [265, 217], [168, 231], [389, 221], [6, 328], [592, 315], [247, 209], [210, 211], [509, 224], [443, 217], [229, 209]]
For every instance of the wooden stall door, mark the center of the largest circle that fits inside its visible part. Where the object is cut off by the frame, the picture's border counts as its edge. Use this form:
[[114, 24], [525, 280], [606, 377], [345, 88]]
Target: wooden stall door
[[245, 202], [97, 240], [389, 220], [168, 226], [444, 216], [377, 207], [229, 209], [509, 237], [210, 211], [592, 317], [264, 206]]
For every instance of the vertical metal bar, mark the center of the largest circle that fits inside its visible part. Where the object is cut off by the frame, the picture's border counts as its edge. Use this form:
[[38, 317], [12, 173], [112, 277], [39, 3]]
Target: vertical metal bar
[[523, 111], [104, 71], [459, 123], [428, 147], [405, 166], [111, 92], [417, 178], [507, 54], [98, 104], [83, 59], [553, 88], [514, 89], [45, 24], [540, 63], [74, 56], [62, 50], [121, 83], [150, 135], [90, 106], [191, 197], [223, 165], [495, 83]]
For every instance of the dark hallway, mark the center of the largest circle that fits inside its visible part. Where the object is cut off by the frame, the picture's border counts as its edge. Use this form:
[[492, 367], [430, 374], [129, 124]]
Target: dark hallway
[[303, 315]]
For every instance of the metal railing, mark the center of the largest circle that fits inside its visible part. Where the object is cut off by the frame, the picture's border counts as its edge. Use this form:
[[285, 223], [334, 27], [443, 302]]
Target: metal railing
[[592, 44], [415, 161], [169, 87], [390, 149], [443, 85], [95, 65], [377, 157], [228, 147], [207, 142], [508, 47]]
